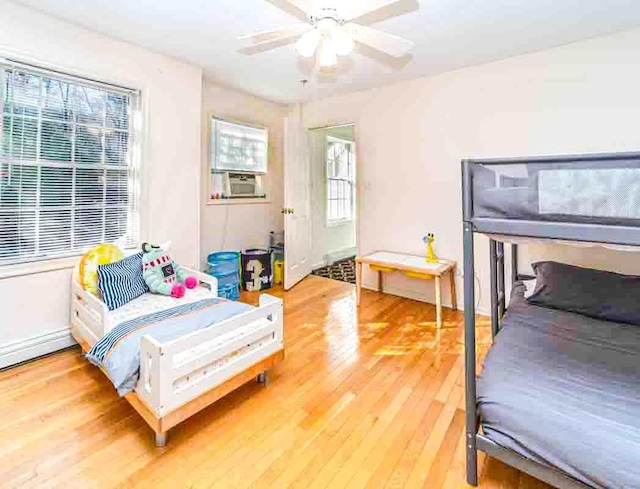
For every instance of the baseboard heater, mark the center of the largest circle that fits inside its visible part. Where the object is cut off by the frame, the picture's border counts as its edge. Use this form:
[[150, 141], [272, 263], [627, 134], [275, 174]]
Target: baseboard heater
[[338, 255]]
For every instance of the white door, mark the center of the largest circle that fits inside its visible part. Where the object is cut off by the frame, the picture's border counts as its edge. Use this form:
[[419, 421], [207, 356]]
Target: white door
[[297, 203]]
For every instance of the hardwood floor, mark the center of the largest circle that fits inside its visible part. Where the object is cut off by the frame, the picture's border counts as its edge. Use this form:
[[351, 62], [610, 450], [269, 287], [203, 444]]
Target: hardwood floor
[[364, 398]]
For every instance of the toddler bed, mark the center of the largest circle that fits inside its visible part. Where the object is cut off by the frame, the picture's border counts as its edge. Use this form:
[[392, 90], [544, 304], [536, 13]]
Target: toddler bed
[[171, 358]]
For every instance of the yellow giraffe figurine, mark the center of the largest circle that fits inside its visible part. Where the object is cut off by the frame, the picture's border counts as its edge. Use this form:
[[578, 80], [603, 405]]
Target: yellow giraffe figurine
[[429, 239]]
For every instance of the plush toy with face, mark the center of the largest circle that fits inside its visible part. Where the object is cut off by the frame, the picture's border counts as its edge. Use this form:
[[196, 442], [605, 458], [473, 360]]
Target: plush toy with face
[[162, 274]]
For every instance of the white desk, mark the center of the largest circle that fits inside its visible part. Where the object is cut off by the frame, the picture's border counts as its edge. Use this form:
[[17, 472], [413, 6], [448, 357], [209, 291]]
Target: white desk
[[412, 266]]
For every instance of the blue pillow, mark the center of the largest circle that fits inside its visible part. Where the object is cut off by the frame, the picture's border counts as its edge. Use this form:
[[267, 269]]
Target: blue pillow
[[122, 281]]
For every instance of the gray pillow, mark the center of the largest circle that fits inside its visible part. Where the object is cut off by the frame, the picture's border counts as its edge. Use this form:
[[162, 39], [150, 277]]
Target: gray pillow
[[593, 293]]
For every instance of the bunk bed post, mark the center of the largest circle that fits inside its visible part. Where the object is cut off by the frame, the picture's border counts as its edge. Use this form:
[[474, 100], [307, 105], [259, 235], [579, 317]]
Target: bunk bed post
[[514, 264], [502, 292], [469, 328], [470, 356], [493, 265]]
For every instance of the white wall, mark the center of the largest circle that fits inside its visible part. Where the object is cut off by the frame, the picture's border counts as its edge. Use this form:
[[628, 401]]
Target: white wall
[[241, 226], [35, 307], [411, 137], [334, 237]]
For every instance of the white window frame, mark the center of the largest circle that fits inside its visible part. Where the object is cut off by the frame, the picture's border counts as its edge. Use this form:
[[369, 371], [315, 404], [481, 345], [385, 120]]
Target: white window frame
[[213, 151], [351, 181], [54, 260]]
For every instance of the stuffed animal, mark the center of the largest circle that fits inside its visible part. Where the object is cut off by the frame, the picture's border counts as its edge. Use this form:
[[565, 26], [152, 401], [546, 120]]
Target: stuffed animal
[[162, 274]]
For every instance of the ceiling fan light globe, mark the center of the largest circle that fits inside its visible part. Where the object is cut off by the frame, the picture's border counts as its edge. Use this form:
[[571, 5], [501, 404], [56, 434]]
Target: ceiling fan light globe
[[308, 43], [342, 42], [327, 56]]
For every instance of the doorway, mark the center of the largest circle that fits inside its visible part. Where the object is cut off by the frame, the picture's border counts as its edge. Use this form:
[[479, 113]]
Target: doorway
[[333, 197]]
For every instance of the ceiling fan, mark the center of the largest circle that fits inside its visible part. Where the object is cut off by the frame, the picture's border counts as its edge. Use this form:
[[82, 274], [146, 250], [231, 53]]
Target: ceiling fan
[[330, 31]]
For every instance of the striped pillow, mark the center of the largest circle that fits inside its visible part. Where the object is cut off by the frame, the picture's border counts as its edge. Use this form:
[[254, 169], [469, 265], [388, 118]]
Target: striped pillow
[[122, 281]]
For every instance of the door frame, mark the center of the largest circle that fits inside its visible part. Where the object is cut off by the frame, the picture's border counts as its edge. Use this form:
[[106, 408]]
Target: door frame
[[359, 166]]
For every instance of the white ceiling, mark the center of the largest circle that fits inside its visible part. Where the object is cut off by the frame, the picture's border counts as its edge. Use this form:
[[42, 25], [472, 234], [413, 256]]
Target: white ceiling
[[448, 34]]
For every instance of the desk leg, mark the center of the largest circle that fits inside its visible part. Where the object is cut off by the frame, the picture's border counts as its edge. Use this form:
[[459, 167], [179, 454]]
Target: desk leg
[[358, 281], [438, 304], [454, 296], [380, 281]]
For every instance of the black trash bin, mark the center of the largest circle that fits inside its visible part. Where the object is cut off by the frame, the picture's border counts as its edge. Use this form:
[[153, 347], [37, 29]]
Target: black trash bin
[[257, 273]]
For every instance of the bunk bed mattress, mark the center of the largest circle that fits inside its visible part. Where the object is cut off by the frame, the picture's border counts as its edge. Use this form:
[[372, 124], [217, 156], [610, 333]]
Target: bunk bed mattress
[[564, 390]]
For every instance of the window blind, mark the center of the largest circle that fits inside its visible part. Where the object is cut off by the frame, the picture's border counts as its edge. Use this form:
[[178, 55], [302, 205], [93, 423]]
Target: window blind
[[68, 176], [238, 147]]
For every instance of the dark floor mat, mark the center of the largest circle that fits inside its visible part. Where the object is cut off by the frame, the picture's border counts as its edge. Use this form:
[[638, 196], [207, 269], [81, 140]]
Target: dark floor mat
[[344, 270]]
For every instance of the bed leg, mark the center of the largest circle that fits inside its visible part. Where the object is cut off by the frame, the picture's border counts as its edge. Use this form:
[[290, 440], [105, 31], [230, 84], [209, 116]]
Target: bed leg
[[472, 460], [161, 439], [263, 377]]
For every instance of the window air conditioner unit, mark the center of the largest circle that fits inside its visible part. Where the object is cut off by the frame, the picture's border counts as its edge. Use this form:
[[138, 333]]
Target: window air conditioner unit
[[234, 185]]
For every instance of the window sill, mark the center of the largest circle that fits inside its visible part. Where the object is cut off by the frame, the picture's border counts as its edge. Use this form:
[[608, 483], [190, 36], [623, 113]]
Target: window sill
[[332, 224], [22, 269], [238, 201]]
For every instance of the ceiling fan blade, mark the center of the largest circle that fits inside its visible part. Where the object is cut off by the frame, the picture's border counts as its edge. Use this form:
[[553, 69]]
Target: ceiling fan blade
[[357, 8], [276, 34], [387, 43], [307, 6]]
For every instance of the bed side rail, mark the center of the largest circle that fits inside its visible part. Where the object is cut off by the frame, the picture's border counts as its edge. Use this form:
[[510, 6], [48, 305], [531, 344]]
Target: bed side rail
[[148, 387], [173, 373], [493, 204], [208, 280], [539, 471]]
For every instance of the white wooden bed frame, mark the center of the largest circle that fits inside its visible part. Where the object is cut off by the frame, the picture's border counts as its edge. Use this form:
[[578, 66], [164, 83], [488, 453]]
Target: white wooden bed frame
[[230, 354]]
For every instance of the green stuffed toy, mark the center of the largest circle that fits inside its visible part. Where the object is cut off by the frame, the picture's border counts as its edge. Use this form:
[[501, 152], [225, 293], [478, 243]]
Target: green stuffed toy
[[162, 274]]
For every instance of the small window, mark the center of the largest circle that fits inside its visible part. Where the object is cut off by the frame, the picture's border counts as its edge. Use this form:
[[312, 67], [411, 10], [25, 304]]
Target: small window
[[67, 167], [341, 179], [238, 147]]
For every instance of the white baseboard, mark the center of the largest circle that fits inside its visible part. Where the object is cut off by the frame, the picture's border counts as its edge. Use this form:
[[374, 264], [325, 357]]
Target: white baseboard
[[36, 346]]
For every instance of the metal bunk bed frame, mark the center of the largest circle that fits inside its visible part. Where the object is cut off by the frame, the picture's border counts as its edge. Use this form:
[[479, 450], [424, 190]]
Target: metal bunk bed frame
[[597, 233]]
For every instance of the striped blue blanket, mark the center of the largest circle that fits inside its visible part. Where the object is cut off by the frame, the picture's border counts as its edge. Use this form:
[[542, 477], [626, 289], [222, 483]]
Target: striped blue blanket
[[118, 352]]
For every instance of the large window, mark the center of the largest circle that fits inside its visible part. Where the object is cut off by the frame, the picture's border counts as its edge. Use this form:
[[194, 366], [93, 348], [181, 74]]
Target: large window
[[238, 147], [67, 165], [341, 180]]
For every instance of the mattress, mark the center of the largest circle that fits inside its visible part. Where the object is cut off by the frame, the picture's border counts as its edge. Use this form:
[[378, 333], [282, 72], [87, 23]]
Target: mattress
[[564, 390], [149, 303]]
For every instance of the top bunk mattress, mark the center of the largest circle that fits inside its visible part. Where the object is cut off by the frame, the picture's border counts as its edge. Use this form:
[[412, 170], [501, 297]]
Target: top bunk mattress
[[564, 390]]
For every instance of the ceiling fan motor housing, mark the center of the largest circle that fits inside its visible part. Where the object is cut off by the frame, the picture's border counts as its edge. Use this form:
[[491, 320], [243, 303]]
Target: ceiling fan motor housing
[[326, 14]]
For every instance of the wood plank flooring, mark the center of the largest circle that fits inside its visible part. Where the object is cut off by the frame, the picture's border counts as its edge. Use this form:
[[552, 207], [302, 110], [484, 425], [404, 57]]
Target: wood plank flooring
[[365, 398]]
